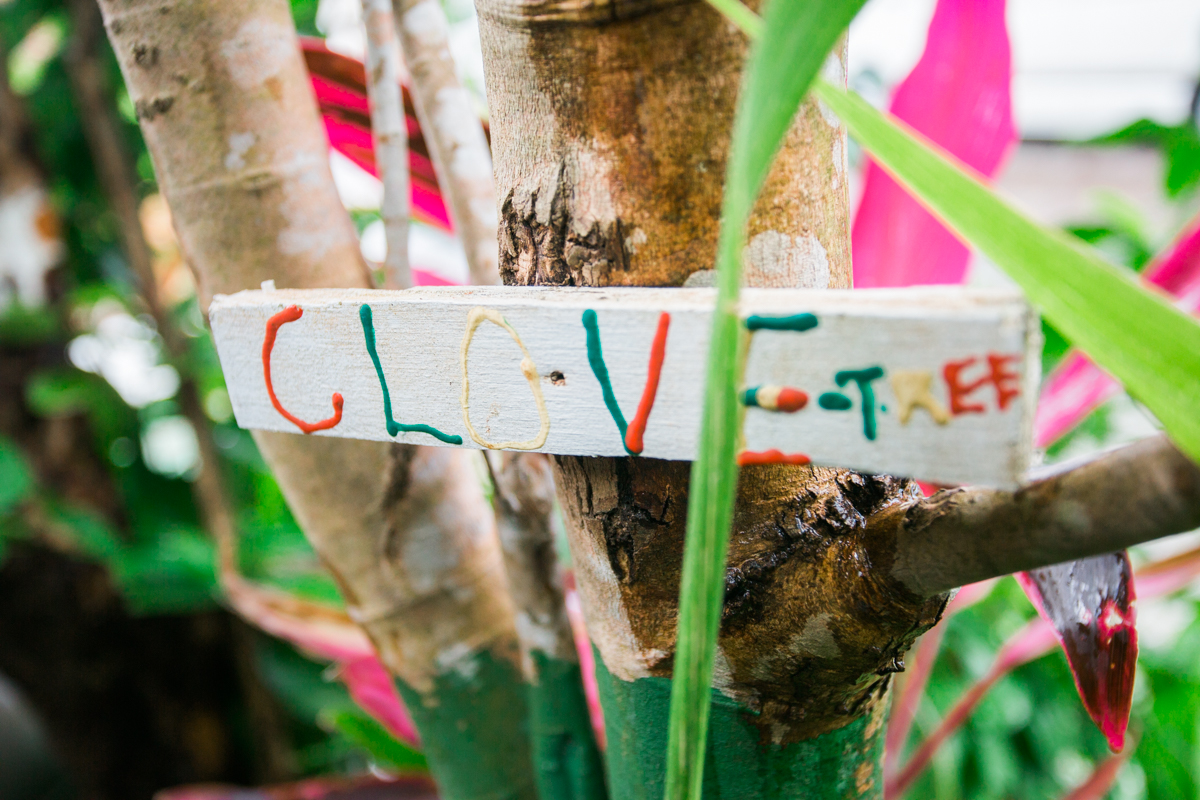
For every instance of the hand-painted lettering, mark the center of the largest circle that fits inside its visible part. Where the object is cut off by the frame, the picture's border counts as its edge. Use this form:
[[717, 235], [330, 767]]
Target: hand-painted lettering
[[631, 433], [999, 374], [747, 458], [393, 427], [475, 318], [291, 314], [775, 398], [862, 378], [912, 390], [793, 322]]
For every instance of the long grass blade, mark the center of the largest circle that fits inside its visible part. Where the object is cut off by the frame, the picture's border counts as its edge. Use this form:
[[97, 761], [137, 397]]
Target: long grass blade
[[796, 37]]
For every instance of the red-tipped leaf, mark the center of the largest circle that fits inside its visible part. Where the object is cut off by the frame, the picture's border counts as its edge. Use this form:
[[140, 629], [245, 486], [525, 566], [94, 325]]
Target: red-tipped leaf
[[1091, 604]]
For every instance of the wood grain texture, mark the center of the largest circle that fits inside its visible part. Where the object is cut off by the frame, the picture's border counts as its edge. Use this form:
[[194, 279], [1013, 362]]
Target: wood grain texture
[[911, 335]]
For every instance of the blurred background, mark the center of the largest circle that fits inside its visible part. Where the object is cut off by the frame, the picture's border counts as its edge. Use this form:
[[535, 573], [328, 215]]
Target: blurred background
[[122, 670]]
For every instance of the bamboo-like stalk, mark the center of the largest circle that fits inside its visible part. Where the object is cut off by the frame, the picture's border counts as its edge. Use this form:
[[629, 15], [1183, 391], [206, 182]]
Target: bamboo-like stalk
[[232, 126], [453, 133], [389, 130], [567, 762]]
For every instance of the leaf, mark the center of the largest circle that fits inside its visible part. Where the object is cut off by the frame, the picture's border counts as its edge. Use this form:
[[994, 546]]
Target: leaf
[[1032, 641], [1090, 603], [363, 731], [1179, 144], [329, 634], [1152, 347], [797, 35], [958, 95], [332, 787], [340, 84], [16, 478], [1078, 386], [172, 574], [87, 531]]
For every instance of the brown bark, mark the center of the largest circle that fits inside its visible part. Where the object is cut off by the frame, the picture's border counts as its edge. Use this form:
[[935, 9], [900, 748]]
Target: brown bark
[[610, 127], [1129, 496], [228, 114]]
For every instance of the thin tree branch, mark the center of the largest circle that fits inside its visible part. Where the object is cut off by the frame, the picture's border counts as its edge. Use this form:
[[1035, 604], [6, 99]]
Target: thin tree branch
[[115, 169], [453, 133], [390, 131], [1128, 496]]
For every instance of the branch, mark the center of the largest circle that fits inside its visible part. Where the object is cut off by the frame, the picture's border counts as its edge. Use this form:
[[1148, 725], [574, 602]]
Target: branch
[[453, 133], [1132, 495], [390, 131]]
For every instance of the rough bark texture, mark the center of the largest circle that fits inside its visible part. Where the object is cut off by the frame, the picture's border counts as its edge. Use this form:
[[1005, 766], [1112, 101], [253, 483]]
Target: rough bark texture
[[809, 631], [610, 127], [959, 536], [228, 114]]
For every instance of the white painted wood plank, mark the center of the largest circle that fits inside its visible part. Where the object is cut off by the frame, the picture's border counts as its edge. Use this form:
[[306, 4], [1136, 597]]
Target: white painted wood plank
[[419, 337]]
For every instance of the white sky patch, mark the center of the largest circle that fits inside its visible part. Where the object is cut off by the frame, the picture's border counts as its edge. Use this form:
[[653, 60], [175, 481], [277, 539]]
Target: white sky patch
[[433, 250]]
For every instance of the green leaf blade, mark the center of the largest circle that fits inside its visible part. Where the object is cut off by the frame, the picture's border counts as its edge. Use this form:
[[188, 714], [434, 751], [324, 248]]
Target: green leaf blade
[[796, 37], [1130, 330]]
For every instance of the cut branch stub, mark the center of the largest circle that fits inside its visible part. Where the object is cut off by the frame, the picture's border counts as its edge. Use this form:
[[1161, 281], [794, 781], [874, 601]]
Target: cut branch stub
[[935, 383]]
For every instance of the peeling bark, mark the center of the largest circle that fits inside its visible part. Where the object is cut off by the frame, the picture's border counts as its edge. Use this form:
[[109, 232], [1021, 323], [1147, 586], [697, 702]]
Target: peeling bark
[[610, 127], [227, 111]]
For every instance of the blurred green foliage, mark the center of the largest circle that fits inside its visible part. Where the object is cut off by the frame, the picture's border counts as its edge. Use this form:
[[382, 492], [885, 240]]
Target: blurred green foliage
[[141, 522]]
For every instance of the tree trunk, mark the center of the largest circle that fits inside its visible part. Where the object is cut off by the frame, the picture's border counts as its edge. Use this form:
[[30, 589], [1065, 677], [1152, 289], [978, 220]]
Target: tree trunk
[[610, 129], [224, 102]]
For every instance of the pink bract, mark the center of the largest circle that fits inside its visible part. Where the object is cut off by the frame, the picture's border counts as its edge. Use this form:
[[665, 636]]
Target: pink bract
[[957, 96]]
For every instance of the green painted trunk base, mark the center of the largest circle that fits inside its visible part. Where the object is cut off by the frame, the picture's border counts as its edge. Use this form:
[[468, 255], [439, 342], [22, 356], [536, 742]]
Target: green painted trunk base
[[566, 761], [846, 763], [475, 731]]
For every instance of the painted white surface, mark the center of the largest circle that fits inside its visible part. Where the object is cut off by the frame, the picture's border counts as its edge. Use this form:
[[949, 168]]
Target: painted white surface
[[419, 335]]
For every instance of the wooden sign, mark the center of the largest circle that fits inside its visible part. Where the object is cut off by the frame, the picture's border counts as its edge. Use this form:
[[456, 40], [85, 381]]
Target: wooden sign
[[936, 383]]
